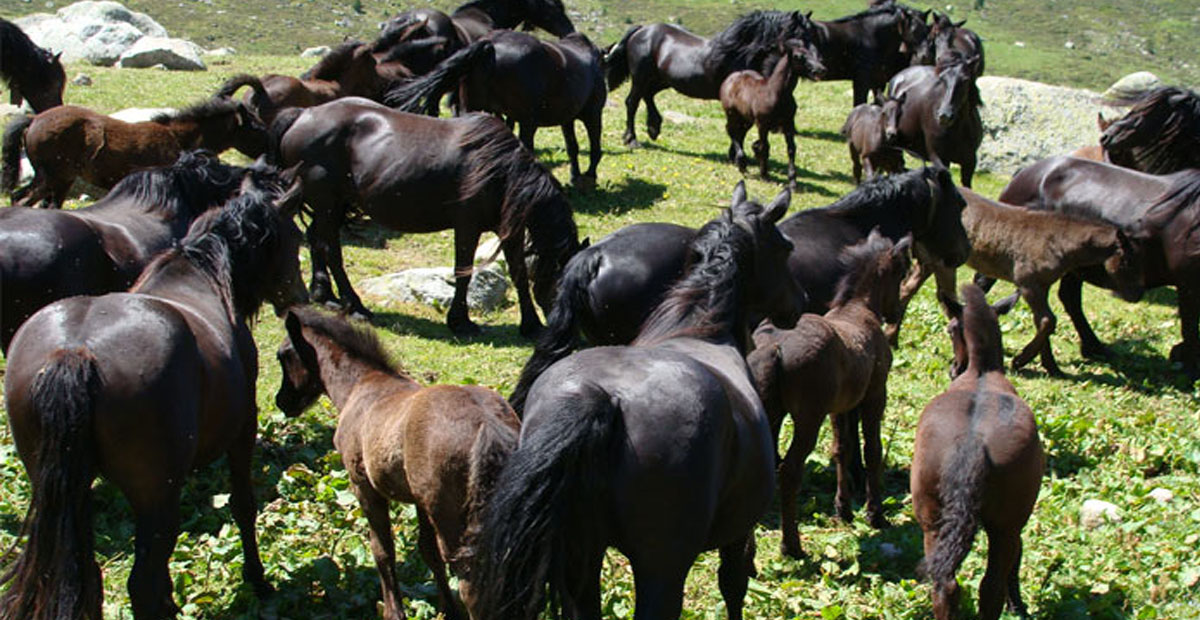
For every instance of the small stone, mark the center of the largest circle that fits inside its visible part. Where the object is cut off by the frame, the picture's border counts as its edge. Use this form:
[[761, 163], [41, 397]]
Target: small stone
[[1095, 513], [82, 79], [1161, 495], [1019, 43], [221, 52], [1069, 45], [315, 52]]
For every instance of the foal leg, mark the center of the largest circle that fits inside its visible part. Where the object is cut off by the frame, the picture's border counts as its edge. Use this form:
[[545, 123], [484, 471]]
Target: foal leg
[[1070, 293], [428, 546], [791, 474], [871, 412], [1189, 315], [843, 458], [733, 577], [736, 128], [1044, 322], [465, 241], [383, 548], [789, 138], [856, 165], [1015, 604], [762, 148]]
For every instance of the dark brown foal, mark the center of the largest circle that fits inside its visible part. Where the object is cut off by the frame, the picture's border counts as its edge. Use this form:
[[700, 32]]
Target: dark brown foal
[[439, 447], [836, 364], [977, 462], [870, 131]]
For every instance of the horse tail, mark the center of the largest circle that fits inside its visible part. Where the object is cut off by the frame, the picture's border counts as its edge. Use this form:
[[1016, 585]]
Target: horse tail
[[13, 144], [494, 443], [545, 511], [561, 335], [961, 491], [260, 101], [55, 576], [408, 97], [616, 60], [282, 123]]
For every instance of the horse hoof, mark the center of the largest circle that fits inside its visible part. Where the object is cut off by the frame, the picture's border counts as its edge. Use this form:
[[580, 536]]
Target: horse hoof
[[465, 328], [584, 183], [262, 589], [632, 143], [360, 313], [844, 512], [792, 550], [1095, 352], [878, 521]]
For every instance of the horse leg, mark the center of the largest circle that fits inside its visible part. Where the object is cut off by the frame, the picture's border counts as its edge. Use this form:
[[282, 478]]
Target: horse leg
[[428, 545], [871, 412], [856, 165], [383, 548], [1015, 604], [1004, 548], [1044, 322], [526, 133], [737, 128], [658, 588], [154, 540], [1189, 314], [1070, 293], [654, 118], [860, 91], [844, 433], [967, 171], [465, 241], [631, 106], [917, 274], [789, 139], [514, 253], [241, 504], [320, 288], [593, 122], [568, 131], [582, 600], [762, 150], [733, 577], [350, 300], [791, 475]]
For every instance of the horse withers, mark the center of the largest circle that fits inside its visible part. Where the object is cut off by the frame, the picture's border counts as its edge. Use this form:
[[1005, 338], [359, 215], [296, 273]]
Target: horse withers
[[751, 99], [977, 462], [440, 447], [142, 388]]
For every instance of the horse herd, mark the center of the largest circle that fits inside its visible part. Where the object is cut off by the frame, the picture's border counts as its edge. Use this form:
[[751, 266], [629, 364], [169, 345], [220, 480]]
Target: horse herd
[[126, 324]]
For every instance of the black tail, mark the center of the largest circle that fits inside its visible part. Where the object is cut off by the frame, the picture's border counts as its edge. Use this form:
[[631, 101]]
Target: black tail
[[545, 508], [616, 61], [56, 575], [260, 101], [494, 443], [426, 91], [13, 144], [961, 490], [561, 336], [283, 121]]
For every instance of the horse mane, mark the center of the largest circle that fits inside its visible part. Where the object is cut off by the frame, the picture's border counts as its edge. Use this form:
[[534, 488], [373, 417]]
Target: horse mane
[[1176, 138], [1183, 193], [196, 182], [21, 60], [752, 38], [955, 59], [887, 8], [981, 331], [857, 262], [221, 244], [703, 303], [360, 342], [202, 110], [331, 66], [881, 193]]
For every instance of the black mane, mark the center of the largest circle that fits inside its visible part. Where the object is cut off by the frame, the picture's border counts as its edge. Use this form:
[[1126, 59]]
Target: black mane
[[1167, 121], [195, 183], [752, 41], [361, 342], [856, 262], [889, 9], [202, 110]]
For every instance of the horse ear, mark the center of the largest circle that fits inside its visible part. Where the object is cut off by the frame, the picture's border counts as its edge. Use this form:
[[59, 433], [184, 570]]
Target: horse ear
[[925, 15], [1101, 123], [58, 57], [904, 246], [586, 243], [778, 207], [739, 194]]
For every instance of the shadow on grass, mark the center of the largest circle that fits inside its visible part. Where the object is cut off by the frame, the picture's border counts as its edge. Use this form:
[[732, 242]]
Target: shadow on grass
[[777, 169], [505, 335], [363, 232], [618, 197], [1080, 602], [820, 134]]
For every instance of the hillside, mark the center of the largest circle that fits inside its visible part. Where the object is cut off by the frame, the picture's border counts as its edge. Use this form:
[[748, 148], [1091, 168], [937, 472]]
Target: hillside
[[1024, 38]]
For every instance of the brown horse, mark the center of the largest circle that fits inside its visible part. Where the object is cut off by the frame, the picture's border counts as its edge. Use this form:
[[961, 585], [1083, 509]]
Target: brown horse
[[419, 174], [940, 121], [870, 131], [69, 142], [751, 99], [835, 365], [1094, 152], [143, 387], [1033, 250], [32, 73], [349, 70], [947, 37], [439, 447], [977, 461]]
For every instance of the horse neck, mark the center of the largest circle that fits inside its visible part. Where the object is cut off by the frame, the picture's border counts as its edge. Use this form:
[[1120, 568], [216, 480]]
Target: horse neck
[[866, 296], [341, 370], [193, 134], [784, 77], [177, 279], [496, 13]]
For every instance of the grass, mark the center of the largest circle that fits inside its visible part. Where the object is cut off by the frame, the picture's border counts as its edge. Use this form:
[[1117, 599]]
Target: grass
[[1112, 431]]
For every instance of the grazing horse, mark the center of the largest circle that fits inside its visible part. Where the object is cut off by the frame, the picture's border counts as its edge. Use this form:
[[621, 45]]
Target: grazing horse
[[660, 448], [662, 56], [609, 289], [349, 70], [977, 462], [143, 387], [1160, 211], [940, 121], [32, 73], [751, 99], [868, 48], [870, 132], [405, 37], [68, 142], [47, 255], [834, 365], [419, 174], [1033, 250], [438, 447], [531, 82], [1159, 135]]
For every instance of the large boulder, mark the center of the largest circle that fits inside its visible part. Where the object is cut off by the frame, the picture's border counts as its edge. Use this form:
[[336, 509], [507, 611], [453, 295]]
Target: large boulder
[[1132, 86], [111, 12], [140, 115], [174, 54], [94, 32], [434, 286]]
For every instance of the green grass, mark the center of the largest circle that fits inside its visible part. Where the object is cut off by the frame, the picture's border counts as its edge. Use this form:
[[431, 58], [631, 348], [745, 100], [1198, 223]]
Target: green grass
[[1112, 431]]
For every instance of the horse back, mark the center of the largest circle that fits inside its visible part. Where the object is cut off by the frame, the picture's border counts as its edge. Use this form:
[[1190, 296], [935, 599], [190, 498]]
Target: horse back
[[819, 238], [1086, 188], [665, 56]]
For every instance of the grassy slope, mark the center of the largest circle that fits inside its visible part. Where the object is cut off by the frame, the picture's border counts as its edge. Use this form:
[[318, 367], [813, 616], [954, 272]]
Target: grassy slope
[[1112, 431]]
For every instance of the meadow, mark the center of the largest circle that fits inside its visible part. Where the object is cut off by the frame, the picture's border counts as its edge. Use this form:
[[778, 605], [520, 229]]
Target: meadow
[[1112, 431]]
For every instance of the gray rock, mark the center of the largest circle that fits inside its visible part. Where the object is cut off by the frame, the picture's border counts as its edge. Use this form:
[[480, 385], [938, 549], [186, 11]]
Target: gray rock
[[1095, 513], [315, 52], [434, 286], [221, 52], [174, 54], [82, 79], [1026, 121], [93, 32], [1132, 85], [139, 115], [1161, 495], [107, 11]]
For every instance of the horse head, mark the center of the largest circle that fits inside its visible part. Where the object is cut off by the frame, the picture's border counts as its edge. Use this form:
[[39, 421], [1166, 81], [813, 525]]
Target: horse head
[[1126, 267], [249, 131], [892, 108], [549, 15], [804, 58], [937, 221], [955, 75], [51, 91], [773, 291], [300, 384], [915, 36], [892, 268]]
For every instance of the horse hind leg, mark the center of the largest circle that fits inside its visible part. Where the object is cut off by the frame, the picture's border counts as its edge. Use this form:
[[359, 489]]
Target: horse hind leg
[[245, 511], [383, 548], [156, 530], [1044, 322], [654, 118], [737, 128], [789, 139], [1070, 293], [791, 476], [631, 106], [1015, 604], [658, 589], [733, 577], [568, 132], [593, 122], [427, 544], [514, 254], [1004, 551], [762, 151], [458, 318]]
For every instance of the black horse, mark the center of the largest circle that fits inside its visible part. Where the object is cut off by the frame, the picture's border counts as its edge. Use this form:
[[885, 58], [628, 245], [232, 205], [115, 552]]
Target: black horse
[[32, 73], [939, 121], [531, 82], [1160, 134], [421, 38], [947, 37], [660, 449], [662, 56], [419, 174], [47, 255], [870, 47], [609, 289]]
